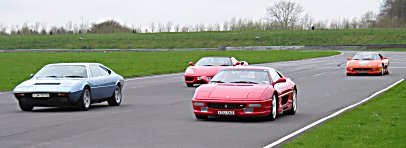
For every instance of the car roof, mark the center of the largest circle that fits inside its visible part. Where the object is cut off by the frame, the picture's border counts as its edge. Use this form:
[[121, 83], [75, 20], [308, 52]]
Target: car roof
[[367, 53], [250, 67], [83, 64]]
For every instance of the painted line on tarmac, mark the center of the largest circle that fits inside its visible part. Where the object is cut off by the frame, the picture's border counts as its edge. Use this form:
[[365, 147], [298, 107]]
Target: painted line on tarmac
[[330, 116], [150, 77]]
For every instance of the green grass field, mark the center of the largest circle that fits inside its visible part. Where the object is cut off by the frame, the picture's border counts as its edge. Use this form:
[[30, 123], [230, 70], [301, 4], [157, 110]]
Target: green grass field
[[207, 39], [378, 123], [16, 67]]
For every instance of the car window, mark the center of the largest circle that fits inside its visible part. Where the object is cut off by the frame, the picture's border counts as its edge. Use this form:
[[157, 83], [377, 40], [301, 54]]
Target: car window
[[62, 71], [94, 71], [274, 75], [214, 61], [242, 76], [104, 71]]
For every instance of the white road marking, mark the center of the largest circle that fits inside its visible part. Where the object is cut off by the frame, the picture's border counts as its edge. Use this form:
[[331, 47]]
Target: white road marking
[[138, 87], [330, 116], [2, 93], [396, 67], [150, 77]]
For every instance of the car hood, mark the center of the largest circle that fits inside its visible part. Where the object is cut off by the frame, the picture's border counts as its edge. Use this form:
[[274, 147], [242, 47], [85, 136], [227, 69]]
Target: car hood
[[47, 85], [231, 91], [206, 70], [364, 63]]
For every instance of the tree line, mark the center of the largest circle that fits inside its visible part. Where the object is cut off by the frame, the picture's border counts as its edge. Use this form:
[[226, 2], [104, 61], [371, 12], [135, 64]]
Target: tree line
[[281, 15]]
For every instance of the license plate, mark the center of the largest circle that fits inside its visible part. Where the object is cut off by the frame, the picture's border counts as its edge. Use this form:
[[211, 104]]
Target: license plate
[[225, 112], [362, 71], [42, 95]]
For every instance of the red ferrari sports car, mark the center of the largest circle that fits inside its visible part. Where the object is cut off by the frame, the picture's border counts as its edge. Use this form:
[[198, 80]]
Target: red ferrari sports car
[[206, 68], [368, 63], [246, 91]]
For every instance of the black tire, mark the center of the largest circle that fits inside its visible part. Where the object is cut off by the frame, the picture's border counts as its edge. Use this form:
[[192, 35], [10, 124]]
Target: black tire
[[349, 74], [189, 85], [25, 106], [115, 100], [274, 109], [84, 101], [201, 117], [292, 111]]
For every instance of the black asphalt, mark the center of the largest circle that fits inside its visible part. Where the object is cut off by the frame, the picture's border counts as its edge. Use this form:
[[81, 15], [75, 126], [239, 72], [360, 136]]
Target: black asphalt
[[156, 111]]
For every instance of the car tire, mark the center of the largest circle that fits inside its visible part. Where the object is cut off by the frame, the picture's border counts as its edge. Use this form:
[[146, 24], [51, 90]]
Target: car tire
[[25, 106], [349, 74], [84, 101], [292, 111], [115, 100], [274, 109], [190, 84], [201, 117]]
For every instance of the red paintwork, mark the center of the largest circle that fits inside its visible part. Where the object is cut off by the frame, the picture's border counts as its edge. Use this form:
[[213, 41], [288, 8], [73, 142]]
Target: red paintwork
[[205, 73], [229, 93], [372, 67]]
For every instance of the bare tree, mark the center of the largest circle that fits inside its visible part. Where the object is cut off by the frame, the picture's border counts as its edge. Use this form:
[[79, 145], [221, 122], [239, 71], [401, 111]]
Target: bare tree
[[168, 27], [307, 21], [152, 27], [354, 23], [368, 19], [185, 28], [161, 27], [176, 28], [217, 27], [226, 26], [285, 13]]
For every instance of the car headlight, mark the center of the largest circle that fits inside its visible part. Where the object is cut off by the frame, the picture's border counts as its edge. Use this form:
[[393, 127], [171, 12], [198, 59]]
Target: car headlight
[[198, 104], [350, 68], [190, 70]]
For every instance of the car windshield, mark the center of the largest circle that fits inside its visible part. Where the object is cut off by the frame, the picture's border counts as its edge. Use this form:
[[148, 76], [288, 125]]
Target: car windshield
[[62, 71], [214, 61], [242, 76], [366, 56]]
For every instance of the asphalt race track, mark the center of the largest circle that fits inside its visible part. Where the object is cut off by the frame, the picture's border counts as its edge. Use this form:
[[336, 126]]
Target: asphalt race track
[[156, 111]]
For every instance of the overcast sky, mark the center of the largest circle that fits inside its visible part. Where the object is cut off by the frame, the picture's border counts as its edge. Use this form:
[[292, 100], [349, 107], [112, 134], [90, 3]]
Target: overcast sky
[[143, 12]]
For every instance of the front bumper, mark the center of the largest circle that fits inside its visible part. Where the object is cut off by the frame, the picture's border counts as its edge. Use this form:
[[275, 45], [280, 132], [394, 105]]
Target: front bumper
[[371, 71], [192, 79], [53, 100], [240, 108]]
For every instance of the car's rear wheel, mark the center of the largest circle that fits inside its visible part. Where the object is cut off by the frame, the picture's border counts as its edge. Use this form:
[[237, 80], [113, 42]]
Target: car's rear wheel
[[25, 106], [292, 111], [189, 84], [272, 115], [84, 103], [115, 100], [201, 117]]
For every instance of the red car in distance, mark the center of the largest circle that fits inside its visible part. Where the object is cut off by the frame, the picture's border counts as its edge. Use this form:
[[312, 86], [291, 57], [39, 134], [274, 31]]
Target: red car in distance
[[206, 68], [246, 91]]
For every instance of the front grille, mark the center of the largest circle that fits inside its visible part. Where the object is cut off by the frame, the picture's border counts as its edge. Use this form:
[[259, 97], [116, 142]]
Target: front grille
[[189, 78], [362, 69], [225, 105]]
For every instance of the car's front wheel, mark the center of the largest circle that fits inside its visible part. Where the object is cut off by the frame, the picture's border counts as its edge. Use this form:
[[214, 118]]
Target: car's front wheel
[[84, 103], [115, 100], [272, 115], [25, 106]]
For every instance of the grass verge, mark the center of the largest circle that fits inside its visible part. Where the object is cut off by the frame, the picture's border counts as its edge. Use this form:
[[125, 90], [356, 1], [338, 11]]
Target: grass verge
[[16, 67], [378, 123], [206, 39]]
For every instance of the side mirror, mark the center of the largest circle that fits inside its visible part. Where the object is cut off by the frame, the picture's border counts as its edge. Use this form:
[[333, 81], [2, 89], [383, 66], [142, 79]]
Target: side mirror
[[384, 58], [349, 59], [280, 80], [31, 75], [238, 63], [191, 64]]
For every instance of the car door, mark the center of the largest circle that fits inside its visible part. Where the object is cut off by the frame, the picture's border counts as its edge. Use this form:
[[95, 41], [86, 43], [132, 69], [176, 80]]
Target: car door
[[110, 81], [96, 82], [281, 88]]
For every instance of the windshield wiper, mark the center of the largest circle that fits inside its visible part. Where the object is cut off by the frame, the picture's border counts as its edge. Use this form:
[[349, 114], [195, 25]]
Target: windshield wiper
[[208, 65], [249, 82], [225, 65], [367, 59], [53, 76], [73, 76], [217, 81]]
